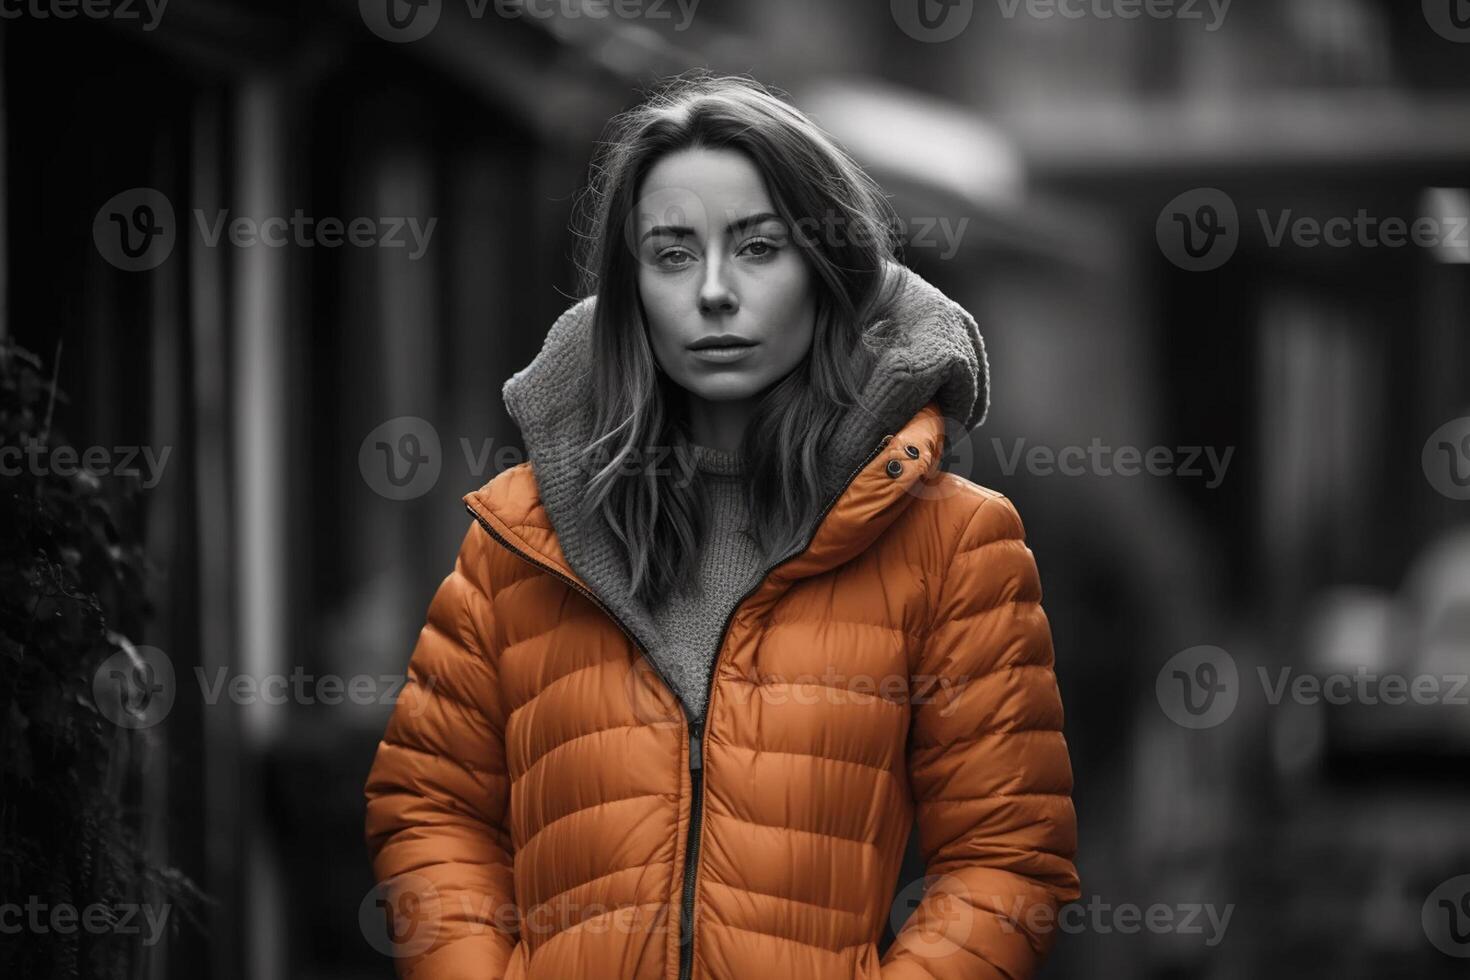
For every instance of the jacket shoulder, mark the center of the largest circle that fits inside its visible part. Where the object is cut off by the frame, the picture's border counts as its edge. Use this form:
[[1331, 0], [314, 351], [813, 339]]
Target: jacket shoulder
[[975, 550], [509, 506], [514, 497], [965, 513]]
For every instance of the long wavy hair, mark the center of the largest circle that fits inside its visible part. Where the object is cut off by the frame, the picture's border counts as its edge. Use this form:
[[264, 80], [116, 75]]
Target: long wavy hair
[[657, 513]]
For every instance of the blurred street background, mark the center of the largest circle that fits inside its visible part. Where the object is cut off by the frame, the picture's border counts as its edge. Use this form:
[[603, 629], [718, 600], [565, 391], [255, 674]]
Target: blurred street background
[[1219, 254]]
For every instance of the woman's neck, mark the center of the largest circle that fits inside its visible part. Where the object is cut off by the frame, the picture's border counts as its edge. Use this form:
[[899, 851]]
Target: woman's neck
[[719, 424]]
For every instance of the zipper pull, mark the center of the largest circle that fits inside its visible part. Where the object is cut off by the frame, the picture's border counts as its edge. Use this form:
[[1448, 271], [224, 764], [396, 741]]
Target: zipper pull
[[696, 751]]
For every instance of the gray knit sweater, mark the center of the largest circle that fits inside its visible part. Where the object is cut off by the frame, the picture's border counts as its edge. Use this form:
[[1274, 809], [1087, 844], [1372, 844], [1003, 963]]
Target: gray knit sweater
[[692, 621]]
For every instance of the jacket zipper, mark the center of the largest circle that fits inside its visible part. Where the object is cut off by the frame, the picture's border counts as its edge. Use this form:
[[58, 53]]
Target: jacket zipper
[[696, 735], [696, 729]]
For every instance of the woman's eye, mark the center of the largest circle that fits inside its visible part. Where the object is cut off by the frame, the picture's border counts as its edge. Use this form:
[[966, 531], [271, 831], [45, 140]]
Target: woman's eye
[[674, 258], [759, 248]]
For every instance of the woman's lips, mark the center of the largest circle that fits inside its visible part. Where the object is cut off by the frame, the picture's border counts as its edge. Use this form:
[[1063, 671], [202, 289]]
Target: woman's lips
[[724, 355]]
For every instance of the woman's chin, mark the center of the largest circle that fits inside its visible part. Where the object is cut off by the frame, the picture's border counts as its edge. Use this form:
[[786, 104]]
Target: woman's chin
[[729, 384]]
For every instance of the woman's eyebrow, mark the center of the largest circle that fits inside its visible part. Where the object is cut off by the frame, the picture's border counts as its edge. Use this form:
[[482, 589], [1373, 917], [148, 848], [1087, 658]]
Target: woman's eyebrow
[[739, 224], [676, 231]]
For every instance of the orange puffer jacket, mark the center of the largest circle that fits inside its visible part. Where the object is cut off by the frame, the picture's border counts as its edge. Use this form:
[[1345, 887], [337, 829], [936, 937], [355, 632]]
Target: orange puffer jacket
[[541, 807]]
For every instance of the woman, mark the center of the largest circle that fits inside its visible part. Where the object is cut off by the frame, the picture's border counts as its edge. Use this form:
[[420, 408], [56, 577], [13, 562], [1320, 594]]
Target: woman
[[674, 712]]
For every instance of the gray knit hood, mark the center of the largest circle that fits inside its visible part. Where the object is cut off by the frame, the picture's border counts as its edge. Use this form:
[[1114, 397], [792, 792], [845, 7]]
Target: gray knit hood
[[938, 356]]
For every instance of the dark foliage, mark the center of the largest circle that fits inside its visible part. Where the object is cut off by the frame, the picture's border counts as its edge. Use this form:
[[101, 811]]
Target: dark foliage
[[72, 588]]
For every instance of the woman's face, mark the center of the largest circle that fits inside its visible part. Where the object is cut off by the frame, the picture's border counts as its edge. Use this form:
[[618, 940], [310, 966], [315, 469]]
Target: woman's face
[[714, 259]]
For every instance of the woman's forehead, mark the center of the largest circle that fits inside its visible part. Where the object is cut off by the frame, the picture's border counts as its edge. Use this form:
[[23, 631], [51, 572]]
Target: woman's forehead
[[703, 190]]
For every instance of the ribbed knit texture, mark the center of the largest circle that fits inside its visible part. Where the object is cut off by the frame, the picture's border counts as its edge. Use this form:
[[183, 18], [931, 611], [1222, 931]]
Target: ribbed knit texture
[[940, 356], [692, 621]]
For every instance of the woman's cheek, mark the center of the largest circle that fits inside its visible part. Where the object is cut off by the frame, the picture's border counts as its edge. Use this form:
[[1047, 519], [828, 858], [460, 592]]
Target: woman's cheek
[[660, 304], [793, 307]]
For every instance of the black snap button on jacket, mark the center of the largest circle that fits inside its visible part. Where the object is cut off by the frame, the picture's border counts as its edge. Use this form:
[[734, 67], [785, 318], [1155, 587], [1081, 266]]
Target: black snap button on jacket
[[894, 467]]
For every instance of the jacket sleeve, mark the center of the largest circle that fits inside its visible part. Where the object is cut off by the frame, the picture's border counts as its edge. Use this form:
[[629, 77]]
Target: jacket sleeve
[[437, 792], [989, 769]]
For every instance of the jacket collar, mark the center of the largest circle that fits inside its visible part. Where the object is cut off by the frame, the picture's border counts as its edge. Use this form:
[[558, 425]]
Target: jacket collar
[[871, 502], [935, 378]]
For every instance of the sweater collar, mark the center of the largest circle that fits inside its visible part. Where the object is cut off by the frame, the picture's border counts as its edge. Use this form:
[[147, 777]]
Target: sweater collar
[[718, 462], [932, 381]]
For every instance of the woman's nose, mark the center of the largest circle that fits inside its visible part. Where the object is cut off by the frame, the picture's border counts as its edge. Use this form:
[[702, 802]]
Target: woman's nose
[[715, 293]]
